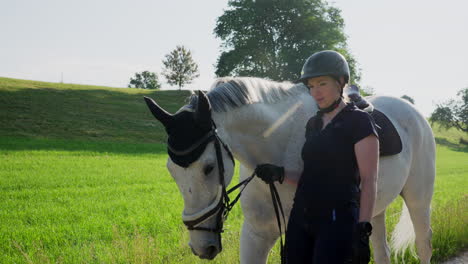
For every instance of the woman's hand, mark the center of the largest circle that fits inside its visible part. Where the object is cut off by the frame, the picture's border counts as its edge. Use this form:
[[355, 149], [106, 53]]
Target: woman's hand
[[361, 243], [270, 173]]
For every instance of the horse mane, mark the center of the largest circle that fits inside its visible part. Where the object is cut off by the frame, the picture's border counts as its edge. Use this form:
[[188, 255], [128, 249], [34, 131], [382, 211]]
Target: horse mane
[[229, 93]]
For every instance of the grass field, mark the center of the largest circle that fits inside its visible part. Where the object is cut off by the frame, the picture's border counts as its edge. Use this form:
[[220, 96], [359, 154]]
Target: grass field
[[83, 180]]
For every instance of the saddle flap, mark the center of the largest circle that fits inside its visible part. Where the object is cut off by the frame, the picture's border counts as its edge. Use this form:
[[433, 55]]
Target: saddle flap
[[389, 139]]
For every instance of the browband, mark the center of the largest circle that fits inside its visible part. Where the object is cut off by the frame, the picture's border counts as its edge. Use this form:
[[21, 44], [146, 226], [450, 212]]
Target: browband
[[194, 146]]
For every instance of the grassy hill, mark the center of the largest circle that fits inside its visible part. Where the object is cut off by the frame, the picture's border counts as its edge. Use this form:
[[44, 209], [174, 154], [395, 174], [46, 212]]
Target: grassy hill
[[69, 111]]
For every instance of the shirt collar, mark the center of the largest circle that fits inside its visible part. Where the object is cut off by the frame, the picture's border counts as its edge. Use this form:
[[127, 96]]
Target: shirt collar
[[350, 107]]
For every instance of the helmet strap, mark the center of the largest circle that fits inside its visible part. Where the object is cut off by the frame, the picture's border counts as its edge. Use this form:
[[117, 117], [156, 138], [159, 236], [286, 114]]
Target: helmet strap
[[330, 108], [342, 85]]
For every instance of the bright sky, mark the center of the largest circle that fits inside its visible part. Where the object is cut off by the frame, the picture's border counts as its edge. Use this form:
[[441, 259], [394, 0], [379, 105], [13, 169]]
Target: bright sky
[[417, 47]]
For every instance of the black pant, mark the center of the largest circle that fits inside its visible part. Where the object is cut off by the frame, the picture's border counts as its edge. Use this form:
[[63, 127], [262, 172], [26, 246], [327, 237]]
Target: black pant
[[320, 236]]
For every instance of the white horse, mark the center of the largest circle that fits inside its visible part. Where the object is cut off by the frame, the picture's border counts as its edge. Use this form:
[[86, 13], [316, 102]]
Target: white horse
[[264, 122]]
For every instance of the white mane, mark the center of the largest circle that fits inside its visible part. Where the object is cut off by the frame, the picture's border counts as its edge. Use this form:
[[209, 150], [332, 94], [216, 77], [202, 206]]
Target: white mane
[[229, 93]]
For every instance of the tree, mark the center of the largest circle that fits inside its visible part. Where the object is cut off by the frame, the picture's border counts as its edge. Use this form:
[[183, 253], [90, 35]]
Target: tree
[[273, 38], [453, 113], [180, 68], [367, 90], [408, 98], [145, 80]]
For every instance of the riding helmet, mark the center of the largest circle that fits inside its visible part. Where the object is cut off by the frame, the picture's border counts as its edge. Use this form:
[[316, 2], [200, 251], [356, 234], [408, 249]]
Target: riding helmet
[[327, 62]]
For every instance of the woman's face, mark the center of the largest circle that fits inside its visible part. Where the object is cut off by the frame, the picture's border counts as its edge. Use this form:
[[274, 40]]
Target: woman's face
[[324, 89]]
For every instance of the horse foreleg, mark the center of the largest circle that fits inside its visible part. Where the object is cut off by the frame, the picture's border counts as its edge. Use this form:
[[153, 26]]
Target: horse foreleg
[[255, 246], [379, 240]]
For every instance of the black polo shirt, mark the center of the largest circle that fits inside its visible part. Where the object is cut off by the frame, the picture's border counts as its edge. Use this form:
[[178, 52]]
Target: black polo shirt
[[331, 176]]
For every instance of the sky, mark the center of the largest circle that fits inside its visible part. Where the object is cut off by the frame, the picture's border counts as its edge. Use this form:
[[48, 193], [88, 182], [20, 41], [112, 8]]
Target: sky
[[417, 48]]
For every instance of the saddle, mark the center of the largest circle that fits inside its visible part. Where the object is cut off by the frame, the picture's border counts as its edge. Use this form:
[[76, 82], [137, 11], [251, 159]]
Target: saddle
[[389, 139]]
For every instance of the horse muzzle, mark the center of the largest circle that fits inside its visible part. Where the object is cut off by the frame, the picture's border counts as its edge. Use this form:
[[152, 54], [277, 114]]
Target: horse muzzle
[[208, 252]]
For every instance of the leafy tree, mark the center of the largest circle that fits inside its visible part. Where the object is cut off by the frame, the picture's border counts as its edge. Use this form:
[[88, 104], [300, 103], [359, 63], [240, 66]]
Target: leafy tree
[[180, 68], [367, 90], [273, 38], [408, 98], [145, 80], [453, 113]]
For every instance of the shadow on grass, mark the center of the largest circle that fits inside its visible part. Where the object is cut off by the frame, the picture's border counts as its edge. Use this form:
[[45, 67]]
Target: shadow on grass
[[41, 144], [451, 145]]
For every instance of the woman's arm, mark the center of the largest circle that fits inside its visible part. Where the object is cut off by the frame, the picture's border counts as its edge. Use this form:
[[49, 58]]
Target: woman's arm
[[367, 156], [292, 177]]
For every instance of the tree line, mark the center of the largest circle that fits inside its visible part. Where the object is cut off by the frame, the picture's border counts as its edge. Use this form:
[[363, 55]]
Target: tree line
[[271, 39]]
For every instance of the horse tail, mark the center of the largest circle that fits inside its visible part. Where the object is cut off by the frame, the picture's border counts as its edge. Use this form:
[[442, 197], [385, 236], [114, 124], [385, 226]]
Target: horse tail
[[403, 236]]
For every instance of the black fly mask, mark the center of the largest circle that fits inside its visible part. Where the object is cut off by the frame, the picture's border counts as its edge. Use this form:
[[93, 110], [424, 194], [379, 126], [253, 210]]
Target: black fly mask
[[188, 131], [186, 139]]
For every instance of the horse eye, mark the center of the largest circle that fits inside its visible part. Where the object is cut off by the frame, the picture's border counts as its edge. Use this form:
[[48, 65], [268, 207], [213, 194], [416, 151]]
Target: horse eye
[[208, 169]]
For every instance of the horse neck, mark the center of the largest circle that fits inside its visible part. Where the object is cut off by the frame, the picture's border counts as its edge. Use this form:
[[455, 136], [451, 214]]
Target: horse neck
[[247, 129]]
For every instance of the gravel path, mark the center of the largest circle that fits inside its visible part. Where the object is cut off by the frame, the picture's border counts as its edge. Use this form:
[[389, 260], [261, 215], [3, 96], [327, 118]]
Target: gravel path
[[462, 259]]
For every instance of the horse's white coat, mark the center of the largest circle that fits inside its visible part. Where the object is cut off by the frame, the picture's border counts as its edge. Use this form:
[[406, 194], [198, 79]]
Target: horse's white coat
[[409, 174]]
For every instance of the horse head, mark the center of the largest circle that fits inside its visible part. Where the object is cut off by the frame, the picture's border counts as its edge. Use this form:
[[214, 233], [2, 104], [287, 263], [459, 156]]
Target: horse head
[[200, 167]]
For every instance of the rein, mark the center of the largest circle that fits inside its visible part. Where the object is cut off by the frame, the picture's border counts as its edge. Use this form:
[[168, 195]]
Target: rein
[[222, 204]]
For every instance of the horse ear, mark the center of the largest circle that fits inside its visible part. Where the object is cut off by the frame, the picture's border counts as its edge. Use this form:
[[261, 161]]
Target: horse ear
[[162, 115], [203, 113]]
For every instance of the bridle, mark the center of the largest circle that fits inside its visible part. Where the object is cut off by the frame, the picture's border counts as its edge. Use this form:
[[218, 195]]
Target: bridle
[[222, 204]]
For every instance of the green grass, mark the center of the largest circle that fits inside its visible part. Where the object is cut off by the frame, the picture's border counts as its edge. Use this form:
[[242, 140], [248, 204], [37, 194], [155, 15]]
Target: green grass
[[70, 201], [92, 202], [51, 110], [83, 180]]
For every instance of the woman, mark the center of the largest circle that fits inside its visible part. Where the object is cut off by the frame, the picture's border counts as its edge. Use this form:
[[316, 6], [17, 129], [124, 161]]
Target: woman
[[330, 219]]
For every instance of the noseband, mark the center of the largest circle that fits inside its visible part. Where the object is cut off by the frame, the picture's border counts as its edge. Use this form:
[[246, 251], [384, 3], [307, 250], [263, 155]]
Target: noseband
[[222, 205]]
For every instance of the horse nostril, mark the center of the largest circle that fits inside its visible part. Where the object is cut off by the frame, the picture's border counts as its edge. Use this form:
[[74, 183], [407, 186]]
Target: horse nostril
[[211, 252]]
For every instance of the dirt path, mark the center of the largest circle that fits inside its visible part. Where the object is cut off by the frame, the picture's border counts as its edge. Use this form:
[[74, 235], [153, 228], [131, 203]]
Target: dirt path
[[462, 259]]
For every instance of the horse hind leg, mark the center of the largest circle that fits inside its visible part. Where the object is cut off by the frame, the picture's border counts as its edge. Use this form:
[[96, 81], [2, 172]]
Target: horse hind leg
[[417, 195], [379, 239], [420, 214]]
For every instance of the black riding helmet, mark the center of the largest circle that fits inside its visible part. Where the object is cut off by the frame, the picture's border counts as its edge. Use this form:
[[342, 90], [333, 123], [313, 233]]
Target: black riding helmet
[[327, 62]]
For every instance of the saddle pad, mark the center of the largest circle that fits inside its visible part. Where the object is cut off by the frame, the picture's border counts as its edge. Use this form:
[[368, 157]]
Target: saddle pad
[[389, 139]]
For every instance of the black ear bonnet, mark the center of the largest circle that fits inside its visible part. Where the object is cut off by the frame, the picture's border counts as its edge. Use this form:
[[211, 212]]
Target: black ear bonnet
[[182, 135]]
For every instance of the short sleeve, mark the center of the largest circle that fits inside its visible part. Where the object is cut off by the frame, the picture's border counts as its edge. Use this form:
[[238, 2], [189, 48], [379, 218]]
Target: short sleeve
[[363, 125], [313, 125]]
